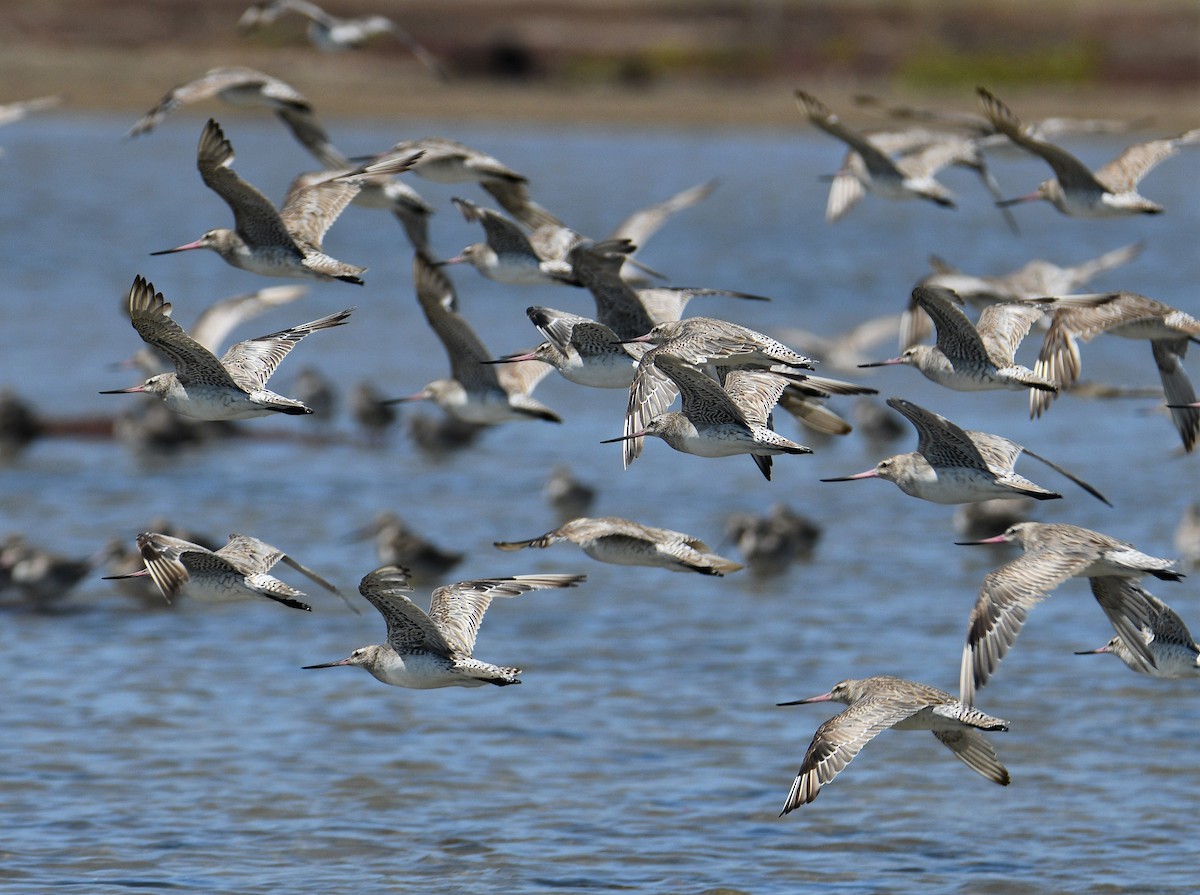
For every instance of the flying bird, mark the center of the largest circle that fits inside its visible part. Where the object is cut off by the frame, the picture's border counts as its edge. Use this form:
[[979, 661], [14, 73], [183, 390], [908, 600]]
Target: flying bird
[[203, 387], [428, 650]]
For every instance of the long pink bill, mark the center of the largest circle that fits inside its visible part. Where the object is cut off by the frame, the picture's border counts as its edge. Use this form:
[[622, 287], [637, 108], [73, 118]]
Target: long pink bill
[[132, 390], [198, 244], [869, 474], [824, 697]]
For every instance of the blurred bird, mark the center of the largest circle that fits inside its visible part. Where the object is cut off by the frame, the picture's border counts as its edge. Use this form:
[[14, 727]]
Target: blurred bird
[[1075, 189], [475, 393], [869, 167], [332, 34], [769, 544], [398, 545], [624, 542], [567, 495]]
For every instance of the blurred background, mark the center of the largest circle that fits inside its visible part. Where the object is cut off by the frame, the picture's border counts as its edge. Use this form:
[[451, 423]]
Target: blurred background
[[635, 60]]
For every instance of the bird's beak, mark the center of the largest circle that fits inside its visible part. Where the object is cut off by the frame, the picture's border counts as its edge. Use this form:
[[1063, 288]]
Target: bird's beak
[[1005, 203], [138, 574], [513, 358], [198, 244], [1093, 652], [623, 438], [884, 363], [134, 389], [345, 661], [998, 539], [824, 697], [869, 474]]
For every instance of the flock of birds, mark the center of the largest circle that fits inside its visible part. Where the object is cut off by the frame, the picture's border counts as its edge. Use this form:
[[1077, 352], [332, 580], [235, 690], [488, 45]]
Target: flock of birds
[[729, 378]]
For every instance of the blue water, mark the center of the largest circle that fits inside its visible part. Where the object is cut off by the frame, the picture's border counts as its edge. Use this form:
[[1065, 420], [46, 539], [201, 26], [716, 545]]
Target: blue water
[[186, 750]]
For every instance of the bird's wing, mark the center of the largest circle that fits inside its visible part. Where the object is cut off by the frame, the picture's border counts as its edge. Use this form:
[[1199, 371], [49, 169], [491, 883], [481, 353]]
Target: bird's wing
[[1002, 326], [457, 609], [650, 394], [206, 86], [1004, 601], [255, 218], [703, 398], [193, 362], [820, 115], [956, 335], [755, 393], [845, 191], [643, 224], [1168, 357], [409, 627], [252, 362], [466, 350], [940, 441], [1131, 610], [309, 209], [1123, 173], [1071, 172], [250, 555], [839, 740], [219, 319], [504, 236], [974, 750]]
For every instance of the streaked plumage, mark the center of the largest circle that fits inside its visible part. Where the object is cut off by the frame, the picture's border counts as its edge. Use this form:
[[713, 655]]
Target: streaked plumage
[[283, 243], [973, 356], [476, 392], [203, 387], [1054, 552], [721, 420], [237, 571], [628, 543], [428, 650], [1166, 637], [877, 703], [1130, 316], [953, 465]]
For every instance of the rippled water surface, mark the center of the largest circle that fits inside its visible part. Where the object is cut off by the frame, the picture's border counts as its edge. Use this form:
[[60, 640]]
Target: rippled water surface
[[185, 750]]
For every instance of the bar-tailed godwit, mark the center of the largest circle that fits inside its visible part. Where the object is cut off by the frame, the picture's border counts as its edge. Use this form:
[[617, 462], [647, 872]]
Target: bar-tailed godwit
[[953, 465], [1054, 552], [1075, 189], [973, 357], [628, 543], [475, 392], [1130, 316], [237, 571], [428, 650], [721, 420], [877, 703], [1164, 634], [871, 169], [283, 243], [332, 34], [203, 387]]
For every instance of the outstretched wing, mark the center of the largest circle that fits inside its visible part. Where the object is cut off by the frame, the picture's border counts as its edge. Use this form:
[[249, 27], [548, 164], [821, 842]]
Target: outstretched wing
[[457, 609]]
